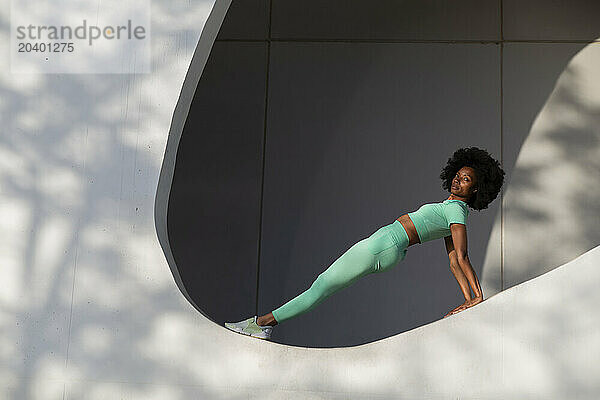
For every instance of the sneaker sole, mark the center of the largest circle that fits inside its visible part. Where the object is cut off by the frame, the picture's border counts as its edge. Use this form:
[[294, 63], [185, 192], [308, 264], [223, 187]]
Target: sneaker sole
[[247, 334]]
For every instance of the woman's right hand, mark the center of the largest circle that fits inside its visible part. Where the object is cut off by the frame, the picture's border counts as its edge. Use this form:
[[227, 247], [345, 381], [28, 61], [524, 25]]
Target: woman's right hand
[[465, 305], [457, 309]]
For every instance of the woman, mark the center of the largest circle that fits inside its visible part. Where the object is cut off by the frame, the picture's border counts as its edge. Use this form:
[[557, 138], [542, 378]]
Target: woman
[[473, 179]]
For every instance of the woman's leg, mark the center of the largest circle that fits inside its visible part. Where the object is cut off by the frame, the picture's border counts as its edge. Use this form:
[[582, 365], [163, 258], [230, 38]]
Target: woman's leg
[[376, 253], [356, 262]]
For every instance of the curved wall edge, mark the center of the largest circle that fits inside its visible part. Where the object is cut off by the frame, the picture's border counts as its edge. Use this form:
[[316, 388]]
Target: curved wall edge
[[199, 59]]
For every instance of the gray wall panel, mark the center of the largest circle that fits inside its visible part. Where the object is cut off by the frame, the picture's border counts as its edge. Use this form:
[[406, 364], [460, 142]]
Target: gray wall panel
[[246, 19], [357, 135], [551, 20], [387, 19], [350, 126], [214, 204]]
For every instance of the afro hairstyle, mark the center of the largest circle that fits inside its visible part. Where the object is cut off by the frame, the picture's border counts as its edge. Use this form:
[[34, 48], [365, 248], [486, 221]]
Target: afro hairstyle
[[490, 175]]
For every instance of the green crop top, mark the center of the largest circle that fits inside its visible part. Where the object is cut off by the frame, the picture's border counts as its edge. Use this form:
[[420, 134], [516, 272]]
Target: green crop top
[[433, 220]]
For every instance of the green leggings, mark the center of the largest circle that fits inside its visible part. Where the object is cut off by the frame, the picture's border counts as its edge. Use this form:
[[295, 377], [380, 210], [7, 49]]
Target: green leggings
[[377, 253]]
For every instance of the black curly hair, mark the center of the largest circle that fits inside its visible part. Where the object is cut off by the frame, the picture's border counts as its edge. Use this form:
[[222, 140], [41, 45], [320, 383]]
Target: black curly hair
[[490, 175]]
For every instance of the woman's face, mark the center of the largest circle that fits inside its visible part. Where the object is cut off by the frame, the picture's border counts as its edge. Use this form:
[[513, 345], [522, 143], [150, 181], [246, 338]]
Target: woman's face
[[464, 183]]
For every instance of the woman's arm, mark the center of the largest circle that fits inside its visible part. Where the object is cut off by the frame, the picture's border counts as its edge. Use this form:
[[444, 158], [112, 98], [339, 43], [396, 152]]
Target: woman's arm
[[455, 268], [459, 241]]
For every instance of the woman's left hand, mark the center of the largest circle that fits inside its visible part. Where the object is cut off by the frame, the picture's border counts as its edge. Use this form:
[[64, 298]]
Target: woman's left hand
[[465, 305]]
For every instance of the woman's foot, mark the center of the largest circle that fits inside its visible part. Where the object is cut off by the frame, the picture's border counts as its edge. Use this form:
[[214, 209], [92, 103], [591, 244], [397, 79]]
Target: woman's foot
[[267, 319], [251, 328]]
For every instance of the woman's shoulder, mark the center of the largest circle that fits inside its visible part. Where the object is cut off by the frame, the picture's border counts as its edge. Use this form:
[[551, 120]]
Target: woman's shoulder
[[456, 204]]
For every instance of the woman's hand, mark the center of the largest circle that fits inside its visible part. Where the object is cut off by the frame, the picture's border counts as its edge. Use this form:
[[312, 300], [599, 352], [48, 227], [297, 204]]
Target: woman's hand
[[465, 305]]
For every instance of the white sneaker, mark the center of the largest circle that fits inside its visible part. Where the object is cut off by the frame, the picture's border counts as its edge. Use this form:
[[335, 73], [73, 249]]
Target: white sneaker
[[251, 328]]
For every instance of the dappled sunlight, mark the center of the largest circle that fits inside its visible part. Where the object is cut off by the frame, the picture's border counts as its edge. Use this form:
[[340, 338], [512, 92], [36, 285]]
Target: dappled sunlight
[[552, 195], [84, 277], [14, 217]]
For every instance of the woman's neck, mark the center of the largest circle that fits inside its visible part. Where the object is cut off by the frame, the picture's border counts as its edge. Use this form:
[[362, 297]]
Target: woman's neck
[[453, 197]]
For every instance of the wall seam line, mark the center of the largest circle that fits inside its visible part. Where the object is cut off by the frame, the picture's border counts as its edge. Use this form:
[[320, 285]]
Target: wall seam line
[[501, 143], [264, 156], [376, 41]]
